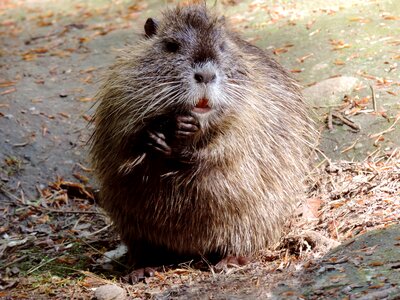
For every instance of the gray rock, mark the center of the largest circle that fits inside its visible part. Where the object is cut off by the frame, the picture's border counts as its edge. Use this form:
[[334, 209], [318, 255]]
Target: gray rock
[[330, 91], [110, 292]]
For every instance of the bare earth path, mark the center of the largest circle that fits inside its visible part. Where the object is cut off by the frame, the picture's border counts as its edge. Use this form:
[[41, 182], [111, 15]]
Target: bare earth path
[[53, 235]]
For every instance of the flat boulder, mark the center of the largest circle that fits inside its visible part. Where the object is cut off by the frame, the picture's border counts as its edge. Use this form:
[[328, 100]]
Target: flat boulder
[[330, 91]]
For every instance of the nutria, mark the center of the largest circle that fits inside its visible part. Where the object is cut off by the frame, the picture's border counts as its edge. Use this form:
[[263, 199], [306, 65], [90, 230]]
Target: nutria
[[201, 140]]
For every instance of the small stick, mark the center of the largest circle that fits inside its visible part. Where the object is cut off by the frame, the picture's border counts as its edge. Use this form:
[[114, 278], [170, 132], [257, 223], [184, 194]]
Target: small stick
[[350, 147], [14, 262], [372, 153], [330, 125], [391, 128], [66, 211], [373, 97], [346, 121], [98, 231], [323, 154], [41, 265]]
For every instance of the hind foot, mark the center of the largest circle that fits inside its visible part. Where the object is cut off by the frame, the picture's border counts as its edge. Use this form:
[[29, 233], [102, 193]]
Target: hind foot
[[139, 275]]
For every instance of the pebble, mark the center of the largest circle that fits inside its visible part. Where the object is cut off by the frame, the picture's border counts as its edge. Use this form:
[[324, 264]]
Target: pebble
[[110, 292]]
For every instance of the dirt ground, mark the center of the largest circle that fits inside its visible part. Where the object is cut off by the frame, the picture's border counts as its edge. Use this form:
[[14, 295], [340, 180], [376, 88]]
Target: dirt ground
[[52, 233]]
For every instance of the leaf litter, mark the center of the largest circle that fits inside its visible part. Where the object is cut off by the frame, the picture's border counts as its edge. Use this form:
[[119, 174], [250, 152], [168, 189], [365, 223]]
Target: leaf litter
[[346, 199]]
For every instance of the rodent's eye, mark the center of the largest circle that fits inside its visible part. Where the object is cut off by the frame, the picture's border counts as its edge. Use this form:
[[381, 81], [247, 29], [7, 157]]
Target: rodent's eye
[[171, 46]]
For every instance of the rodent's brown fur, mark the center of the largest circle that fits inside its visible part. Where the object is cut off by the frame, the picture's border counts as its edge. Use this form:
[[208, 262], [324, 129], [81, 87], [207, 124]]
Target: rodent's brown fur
[[231, 186]]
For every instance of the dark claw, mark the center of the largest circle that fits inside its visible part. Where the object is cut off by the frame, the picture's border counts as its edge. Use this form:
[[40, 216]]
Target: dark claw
[[138, 275], [149, 272], [186, 126], [181, 133], [157, 142], [187, 119]]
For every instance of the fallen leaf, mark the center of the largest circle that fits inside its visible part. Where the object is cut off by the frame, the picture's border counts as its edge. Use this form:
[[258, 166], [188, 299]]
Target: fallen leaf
[[7, 83], [44, 219], [44, 23], [340, 47], [310, 24], [86, 99], [339, 62], [314, 32], [87, 118], [391, 18], [67, 260], [40, 50], [29, 56], [311, 208], [87, 79], [81, 177], [65, 115], [9, 91], [303, 58], [360, 20], [60, 53], [88, 70], [279, 51], [83, 39]]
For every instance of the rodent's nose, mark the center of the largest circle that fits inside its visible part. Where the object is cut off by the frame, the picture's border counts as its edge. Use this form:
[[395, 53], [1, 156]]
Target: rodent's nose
[[205, 77]]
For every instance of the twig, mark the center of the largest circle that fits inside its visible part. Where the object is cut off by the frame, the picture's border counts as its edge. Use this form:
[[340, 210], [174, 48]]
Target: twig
[[14, 262], [329, 121], [372, 153], [373, 97], [391, 128], [66, 211], [392, 155], [346, 121], [11, 196], [323, 154], [350, 147], [21, 144], [41, 265], [98, 231]]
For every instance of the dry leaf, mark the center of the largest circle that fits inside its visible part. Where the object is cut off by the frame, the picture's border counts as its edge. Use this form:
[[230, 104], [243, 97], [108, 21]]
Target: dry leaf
[[86, 99], [9, 91], [311, 208], [40, 50], [279, 51], [302, 59], [7, 83], [44, 23], [29, 56], [339, 62], [87, 118]]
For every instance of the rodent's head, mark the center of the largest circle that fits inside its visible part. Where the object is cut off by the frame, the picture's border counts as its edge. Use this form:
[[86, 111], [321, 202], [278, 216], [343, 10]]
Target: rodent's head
[[192, 62]]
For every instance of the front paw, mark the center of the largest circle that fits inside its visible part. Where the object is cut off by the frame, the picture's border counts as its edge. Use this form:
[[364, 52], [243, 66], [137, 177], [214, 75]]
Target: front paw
[[186, 126], [158, 143]]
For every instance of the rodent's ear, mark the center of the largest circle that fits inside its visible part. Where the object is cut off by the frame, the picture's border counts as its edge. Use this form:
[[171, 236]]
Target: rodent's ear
[[150, 27]]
